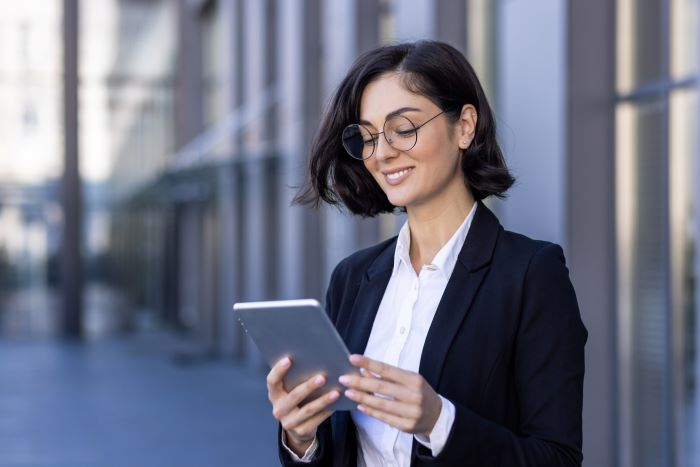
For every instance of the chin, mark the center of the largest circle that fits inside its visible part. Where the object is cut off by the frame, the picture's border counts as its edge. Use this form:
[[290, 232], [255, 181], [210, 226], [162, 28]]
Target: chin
[[399, 200]]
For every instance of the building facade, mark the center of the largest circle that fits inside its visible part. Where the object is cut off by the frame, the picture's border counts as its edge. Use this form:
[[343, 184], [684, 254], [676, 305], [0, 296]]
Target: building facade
[[598, 112]]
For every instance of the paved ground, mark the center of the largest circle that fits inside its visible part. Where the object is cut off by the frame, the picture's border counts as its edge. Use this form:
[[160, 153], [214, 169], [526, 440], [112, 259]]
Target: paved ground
[[128, 402]]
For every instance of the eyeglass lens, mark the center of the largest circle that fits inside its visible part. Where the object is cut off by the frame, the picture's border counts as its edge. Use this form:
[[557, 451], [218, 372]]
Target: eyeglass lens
[[360, 143]]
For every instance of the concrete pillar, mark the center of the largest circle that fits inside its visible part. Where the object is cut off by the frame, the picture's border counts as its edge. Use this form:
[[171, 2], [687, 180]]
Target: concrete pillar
[[189, 115], [532, 114], [254, 149], [190, 272], [301, 266], [231, 335], [451, 23], [415, 19], [71, 191], [694, 436], [590, 216], [347, 26]]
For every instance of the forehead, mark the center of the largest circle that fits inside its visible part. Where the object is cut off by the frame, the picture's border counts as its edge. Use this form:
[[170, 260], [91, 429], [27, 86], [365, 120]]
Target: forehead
[[387, 94]]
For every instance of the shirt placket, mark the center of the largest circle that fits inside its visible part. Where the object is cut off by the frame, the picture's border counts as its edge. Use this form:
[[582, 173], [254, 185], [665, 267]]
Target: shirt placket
[[398, 343]]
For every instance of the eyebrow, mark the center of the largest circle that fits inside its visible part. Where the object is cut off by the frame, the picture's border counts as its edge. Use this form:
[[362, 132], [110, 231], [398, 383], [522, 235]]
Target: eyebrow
[[393, 114]]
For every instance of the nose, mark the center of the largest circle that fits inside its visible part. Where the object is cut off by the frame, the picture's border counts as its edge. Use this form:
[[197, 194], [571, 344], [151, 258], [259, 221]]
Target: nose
[[384, 150]]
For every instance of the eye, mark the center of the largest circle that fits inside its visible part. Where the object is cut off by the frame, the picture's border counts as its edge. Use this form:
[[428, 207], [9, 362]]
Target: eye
[[407, 132], [400, 126]]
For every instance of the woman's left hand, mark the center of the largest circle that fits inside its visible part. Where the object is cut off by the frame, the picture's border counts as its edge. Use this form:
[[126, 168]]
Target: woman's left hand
[[405, 400]]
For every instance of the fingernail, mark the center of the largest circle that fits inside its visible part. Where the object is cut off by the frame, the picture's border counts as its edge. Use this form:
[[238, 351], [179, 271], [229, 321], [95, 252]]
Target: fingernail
[[333, 395], [350, 394], [319, 380], [361, 408], [285, 362], [344, 379], [356, 358]]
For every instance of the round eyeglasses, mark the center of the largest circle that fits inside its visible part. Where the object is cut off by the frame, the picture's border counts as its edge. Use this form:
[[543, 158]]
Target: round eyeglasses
[[398, 130]]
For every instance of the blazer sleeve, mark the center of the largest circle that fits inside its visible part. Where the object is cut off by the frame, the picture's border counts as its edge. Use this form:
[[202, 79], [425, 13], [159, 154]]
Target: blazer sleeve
[[548, 379], [324, 453]]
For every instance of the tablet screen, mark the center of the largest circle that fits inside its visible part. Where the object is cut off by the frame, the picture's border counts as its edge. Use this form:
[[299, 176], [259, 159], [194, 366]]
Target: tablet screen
[[302, 330]]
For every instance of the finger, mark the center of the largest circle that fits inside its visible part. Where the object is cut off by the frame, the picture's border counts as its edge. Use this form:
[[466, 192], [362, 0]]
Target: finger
[[393, 407], [400, 423], [384, 370], [274, 378], [308, 428], [301, 392], [381, 386], [310, 410], [368, 374]]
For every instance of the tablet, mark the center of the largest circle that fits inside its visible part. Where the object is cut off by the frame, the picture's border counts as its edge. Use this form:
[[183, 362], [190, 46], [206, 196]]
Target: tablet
[[302, 330]]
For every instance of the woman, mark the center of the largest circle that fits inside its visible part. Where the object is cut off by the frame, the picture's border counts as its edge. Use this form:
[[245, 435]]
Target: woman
[[468, 337]]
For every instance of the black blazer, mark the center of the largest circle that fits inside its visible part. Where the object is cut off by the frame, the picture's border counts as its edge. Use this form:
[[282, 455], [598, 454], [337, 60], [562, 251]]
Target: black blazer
[[505, 346]]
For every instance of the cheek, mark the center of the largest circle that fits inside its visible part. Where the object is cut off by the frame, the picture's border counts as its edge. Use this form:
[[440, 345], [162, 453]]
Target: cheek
[[371, 167]]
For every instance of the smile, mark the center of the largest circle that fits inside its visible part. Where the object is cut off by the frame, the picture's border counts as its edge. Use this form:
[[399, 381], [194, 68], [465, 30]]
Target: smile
[[396, 177]]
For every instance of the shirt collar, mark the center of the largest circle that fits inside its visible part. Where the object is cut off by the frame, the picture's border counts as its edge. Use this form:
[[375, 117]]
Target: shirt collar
[[446, 258]]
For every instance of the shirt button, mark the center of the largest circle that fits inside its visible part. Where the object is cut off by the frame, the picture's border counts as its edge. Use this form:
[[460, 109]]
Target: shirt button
[[402, 329]]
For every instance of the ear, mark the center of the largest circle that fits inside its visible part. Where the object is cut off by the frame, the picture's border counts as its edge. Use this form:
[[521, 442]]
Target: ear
[[466, 126]]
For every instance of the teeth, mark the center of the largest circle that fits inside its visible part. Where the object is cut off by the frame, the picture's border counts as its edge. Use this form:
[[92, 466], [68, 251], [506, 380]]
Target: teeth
[[397, 175]]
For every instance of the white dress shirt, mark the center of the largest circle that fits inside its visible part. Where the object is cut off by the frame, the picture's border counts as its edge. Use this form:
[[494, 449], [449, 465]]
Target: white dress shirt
[[397, 338]]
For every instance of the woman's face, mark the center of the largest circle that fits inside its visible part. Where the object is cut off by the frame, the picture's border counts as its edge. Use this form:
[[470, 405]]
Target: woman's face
[[429, 172]]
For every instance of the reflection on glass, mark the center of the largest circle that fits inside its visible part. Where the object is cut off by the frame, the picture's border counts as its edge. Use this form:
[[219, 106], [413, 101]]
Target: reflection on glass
[[212, 65], [30, 164], [481, 28], [683, 153], [643, 284], [684, 38], [387, 20], [140, 98]]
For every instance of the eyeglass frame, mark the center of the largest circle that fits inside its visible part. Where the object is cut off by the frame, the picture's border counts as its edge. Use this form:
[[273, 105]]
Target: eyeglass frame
[[383, 132]]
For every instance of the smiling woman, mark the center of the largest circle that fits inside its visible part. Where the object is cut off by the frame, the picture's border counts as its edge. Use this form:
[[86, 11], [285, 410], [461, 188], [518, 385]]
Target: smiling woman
[[468, 336]]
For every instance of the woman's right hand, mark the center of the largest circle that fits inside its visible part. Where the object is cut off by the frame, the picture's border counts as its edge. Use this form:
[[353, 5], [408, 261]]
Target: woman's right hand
[[299, 423]]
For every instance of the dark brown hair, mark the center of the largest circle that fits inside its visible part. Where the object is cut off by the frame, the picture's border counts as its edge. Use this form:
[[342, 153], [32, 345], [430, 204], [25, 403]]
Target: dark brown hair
[[432, 69]]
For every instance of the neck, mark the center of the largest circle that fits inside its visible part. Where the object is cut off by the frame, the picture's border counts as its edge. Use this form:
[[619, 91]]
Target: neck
[[433, 226]]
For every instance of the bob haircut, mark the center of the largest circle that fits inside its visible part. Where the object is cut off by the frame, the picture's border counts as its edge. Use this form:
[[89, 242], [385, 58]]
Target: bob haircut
[[432, 69]]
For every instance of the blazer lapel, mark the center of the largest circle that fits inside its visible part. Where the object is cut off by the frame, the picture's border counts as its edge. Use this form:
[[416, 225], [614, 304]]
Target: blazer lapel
[[466, 278], [369, 296]]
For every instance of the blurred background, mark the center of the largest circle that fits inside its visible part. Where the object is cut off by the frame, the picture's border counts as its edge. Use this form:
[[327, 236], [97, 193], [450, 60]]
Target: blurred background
[[149, 151]]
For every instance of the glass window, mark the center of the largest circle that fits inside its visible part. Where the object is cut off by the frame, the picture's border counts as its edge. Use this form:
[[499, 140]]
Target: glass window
[[640, 43], [657, 147], [481, 43], [684, 38], [643, 280], [683, 155], [212, 65], [31, 142]]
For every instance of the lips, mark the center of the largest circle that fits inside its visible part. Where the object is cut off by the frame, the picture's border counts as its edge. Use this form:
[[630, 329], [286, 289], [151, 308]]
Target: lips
[[397, 176]]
